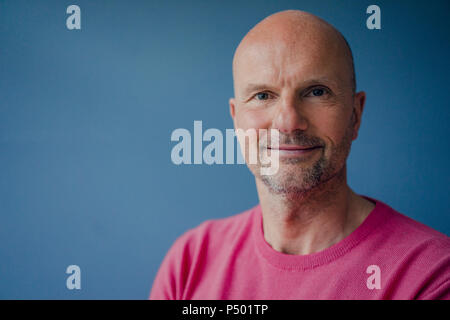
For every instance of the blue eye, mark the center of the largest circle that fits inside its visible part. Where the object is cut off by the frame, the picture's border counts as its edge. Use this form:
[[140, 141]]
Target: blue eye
[[318, 92], [262, 96]]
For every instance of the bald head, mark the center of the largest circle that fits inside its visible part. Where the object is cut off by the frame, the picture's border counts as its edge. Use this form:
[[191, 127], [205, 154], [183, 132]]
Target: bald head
[[293, 30]]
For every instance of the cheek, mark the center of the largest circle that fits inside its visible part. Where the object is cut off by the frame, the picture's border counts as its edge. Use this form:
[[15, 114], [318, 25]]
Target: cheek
[[251, 118], [330, 125]]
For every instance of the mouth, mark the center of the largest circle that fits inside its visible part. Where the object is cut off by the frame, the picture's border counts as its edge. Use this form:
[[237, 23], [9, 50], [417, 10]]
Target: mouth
[[295, 150]]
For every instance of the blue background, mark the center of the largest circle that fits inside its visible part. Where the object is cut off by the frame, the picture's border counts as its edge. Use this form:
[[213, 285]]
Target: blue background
[[86, 118]]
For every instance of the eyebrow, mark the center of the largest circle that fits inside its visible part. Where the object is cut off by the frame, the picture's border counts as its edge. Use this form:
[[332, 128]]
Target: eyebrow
[[254, 87]]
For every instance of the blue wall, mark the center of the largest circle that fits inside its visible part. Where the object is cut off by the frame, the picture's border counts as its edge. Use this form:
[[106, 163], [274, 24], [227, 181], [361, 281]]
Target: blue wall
[[86, 117]]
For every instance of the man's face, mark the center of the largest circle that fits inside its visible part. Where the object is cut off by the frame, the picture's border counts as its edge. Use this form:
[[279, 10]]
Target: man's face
[[302, 89]]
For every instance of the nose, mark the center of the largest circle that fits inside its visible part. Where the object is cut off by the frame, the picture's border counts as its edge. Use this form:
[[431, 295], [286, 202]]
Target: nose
[[288, 116]]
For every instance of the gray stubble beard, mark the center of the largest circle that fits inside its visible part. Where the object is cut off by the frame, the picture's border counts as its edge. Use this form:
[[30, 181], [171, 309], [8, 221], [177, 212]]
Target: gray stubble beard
[[314, 177]]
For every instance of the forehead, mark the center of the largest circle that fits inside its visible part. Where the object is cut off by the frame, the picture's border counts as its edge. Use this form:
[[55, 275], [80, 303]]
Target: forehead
[[281, 62]]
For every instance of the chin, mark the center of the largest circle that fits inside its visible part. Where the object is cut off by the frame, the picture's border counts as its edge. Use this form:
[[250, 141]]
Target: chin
[[289, 182]]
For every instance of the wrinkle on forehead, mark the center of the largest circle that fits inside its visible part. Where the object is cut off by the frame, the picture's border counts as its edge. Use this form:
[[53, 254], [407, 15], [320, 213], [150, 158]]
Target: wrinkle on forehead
[[288, 36]]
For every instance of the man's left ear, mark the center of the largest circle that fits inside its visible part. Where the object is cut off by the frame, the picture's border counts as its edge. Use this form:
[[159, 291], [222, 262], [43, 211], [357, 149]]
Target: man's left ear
[[358, 106]]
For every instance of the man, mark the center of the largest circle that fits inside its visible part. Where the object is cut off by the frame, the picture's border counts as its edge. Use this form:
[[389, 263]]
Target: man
[[311, 236]]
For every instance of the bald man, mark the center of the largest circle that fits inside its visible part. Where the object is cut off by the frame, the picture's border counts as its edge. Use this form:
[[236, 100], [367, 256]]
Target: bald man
[[311, 236]]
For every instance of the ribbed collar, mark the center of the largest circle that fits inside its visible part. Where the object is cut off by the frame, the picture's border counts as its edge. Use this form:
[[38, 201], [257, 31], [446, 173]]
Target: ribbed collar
[[378, 215]]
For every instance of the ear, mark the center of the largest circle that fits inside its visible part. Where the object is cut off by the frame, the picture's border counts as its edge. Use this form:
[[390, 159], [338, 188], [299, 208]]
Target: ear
[[359, 101], [232, 106], [232, 103]]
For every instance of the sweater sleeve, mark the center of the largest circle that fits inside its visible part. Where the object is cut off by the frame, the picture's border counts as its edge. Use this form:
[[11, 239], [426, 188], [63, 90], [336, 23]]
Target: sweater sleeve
[[172, 275], [442, 292], [437, 284]]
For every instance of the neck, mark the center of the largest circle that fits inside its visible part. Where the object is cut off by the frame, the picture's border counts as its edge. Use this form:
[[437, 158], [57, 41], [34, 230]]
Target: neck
[[311, 222]]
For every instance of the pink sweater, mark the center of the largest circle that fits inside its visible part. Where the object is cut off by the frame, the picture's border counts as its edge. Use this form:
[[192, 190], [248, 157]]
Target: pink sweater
[[389, 256]]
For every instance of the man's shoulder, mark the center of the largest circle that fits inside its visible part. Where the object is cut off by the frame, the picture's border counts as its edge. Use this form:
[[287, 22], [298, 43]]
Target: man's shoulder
[[219, 230], [416, 256], [406, 231]]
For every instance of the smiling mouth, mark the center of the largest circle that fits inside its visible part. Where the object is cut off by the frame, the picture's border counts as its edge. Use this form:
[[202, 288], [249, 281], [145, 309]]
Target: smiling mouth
[[294, 150]]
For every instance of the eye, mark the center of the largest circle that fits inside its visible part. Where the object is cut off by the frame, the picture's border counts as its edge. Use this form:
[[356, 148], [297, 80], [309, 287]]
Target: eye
[[262, 96], [317, 92]]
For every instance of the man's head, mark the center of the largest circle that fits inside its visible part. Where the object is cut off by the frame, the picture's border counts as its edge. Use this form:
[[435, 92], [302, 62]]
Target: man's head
[[294, 72]]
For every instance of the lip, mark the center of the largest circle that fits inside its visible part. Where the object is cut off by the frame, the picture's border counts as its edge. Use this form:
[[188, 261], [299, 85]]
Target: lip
[[293, 151], [294, 148]]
